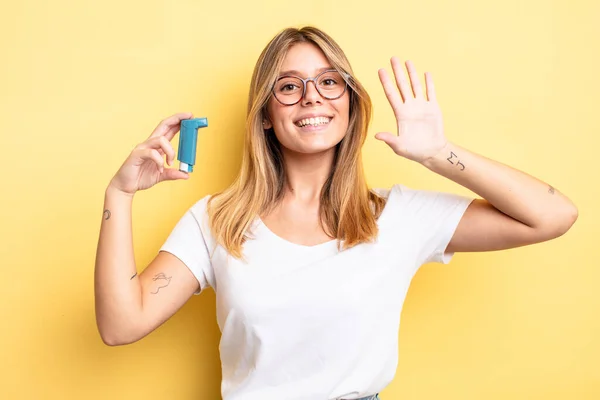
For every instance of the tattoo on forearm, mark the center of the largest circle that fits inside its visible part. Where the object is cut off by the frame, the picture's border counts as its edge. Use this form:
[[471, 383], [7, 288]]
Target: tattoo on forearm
[[106, 214], [161, 281], [454, 156], [134, 275], [551, 190]]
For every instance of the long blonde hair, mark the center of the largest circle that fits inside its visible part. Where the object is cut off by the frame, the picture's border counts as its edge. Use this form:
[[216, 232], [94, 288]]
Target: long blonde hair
[[348, 209]]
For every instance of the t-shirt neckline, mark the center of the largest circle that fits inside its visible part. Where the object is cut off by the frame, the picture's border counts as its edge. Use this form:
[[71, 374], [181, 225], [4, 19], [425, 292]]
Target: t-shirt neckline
[[268, 231]]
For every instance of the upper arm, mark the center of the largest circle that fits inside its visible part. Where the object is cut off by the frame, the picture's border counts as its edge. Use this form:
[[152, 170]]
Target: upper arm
[[167, 283], [485, 228]]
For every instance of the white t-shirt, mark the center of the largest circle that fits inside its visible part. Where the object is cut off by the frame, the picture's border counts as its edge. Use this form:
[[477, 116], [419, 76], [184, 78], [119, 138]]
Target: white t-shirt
[[309, 322]]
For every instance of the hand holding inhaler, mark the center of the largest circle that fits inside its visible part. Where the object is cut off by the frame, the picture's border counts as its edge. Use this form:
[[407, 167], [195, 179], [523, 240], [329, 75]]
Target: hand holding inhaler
[[144, 167]]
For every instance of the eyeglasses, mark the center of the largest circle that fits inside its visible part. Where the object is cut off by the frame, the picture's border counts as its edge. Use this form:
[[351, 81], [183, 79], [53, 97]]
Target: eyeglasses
[[289, 90]]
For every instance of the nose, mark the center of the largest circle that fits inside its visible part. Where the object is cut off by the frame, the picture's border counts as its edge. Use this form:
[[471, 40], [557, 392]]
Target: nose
[[311, 96]]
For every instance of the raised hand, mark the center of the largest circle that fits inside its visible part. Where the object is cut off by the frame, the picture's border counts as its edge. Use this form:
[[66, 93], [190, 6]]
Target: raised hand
[[420, 128], [144, 167]]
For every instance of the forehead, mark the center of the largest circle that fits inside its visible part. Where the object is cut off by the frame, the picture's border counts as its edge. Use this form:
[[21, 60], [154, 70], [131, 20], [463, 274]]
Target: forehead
[[304, 59]]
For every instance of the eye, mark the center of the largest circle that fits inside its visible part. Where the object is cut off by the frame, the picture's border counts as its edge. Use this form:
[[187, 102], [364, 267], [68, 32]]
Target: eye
[[288, 87], [328, 82]]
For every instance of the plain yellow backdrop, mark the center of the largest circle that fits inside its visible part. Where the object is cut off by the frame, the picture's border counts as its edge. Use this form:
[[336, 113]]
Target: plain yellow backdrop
[[82, 82]]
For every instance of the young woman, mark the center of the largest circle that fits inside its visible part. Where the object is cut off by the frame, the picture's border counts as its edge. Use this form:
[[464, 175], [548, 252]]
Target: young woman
[[309, 265]]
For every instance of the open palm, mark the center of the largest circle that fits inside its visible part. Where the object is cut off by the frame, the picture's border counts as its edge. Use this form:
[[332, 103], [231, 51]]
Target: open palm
[[420, 127]]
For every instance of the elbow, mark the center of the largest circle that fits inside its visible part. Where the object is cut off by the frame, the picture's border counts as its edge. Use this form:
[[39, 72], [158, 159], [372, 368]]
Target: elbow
[[560, 223], [110, 340], [114, 337], [118, 329], [568, 219], [115, 340]]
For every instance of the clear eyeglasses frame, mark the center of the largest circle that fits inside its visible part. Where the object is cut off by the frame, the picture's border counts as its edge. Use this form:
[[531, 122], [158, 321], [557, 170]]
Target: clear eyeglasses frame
[[330, 84]]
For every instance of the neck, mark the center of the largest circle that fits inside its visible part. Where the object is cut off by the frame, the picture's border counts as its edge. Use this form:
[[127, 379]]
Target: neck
[[306, 174]]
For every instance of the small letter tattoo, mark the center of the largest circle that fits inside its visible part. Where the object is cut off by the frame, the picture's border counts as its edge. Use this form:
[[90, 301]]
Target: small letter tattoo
[[451, 156], [106, 214], [551, 190], [163, 281]]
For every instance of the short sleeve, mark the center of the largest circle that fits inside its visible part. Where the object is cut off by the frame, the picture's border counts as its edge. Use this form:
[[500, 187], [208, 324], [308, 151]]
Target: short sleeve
[[188, 242], [434, 217]]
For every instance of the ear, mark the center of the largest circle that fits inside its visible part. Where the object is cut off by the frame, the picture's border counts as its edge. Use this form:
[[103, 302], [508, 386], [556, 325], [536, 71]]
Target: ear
[[266, 124], [266, 120]]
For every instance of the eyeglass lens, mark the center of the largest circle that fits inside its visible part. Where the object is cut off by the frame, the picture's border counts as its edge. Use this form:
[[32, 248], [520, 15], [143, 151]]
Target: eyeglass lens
[[289, 89]]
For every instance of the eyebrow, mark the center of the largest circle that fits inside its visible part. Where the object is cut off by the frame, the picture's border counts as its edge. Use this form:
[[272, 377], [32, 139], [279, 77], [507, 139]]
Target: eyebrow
[[294, 72]]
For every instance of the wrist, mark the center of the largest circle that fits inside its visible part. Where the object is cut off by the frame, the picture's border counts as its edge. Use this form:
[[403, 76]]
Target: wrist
[[112, 191], [430, 161]]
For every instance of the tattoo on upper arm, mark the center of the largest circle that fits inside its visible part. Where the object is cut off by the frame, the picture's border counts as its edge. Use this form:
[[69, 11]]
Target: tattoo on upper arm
[[106, 214], [134, 275], [551, 190], [161, 281], [452, 157]]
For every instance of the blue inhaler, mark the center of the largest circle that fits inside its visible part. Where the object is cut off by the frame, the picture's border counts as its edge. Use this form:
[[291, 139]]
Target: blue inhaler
[[188, 138]]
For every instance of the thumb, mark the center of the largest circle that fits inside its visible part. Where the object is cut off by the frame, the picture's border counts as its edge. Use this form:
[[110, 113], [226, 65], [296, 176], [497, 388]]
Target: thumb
[[386, 137], [171, 174]]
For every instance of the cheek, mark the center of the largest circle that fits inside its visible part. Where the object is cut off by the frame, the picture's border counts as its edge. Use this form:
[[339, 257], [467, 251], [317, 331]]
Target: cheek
[[343, 109], [271, 111], [278, 114]]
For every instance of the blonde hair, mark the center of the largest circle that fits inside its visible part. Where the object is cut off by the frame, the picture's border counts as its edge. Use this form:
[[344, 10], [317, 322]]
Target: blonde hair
[[348, 209]]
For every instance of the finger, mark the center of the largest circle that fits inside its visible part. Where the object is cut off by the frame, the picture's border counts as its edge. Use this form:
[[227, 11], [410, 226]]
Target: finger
[[162, 146], [430, 87], [386, 137], [171, 174], [170, 134], [390, 91], [152, 154], [165, 125], [401, 80], [414, 80], [166, 147], [389, 139]]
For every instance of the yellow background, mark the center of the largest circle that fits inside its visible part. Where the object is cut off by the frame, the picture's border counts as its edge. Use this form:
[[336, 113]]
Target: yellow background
[[82, 82]]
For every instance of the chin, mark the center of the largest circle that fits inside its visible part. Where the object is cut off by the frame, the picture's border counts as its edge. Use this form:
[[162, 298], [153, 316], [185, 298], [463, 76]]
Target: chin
[[315, 146]]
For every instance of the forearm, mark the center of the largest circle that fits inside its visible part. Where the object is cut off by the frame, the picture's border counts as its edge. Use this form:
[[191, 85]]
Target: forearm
[[515, 193], [117, 288]]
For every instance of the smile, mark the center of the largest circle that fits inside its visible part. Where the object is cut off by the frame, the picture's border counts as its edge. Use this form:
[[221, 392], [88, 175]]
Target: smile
[[316, 121]]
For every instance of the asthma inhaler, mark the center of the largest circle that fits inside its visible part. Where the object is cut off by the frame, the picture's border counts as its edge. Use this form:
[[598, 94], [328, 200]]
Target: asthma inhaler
[[188, 138]]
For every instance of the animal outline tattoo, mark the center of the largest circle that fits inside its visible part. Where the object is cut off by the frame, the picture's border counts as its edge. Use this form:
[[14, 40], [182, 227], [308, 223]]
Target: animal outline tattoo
[[163, 281]]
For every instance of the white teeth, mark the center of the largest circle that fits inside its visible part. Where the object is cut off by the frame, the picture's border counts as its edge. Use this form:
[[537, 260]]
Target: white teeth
[[313, 121]]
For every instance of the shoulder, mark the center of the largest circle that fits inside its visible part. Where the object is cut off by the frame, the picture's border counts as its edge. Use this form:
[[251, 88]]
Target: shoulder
[[395, 192], [198, 212], [201, 204], [405, 193], [407, 200]]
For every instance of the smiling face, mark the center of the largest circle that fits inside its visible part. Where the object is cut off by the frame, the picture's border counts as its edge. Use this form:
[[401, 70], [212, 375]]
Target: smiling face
[[314, 124]]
